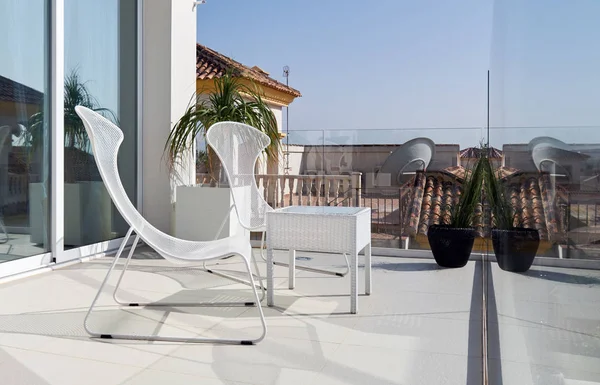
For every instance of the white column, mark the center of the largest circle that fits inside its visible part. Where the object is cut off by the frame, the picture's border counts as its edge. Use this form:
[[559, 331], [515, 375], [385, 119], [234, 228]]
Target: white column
[[169, 80], [55, 199]]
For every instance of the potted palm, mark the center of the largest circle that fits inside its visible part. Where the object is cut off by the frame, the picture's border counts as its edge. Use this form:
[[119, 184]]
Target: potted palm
[[229, 100], [514, 245], [84, 223], [451, 242]]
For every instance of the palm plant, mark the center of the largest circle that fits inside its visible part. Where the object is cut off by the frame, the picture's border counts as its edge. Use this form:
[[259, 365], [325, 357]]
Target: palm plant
[[76, 139], [230, 101]]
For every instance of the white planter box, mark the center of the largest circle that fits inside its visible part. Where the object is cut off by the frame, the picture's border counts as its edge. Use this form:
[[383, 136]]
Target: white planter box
[[199, 211], [38, 202], [88, 213]]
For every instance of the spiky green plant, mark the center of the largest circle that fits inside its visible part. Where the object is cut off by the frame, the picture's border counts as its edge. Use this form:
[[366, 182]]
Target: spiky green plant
[[503, 211], [230, 101], [462, 213]]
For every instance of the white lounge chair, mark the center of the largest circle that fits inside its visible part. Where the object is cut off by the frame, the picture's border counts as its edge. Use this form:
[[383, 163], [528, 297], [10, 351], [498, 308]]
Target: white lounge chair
[[106, 138], [239, 146]]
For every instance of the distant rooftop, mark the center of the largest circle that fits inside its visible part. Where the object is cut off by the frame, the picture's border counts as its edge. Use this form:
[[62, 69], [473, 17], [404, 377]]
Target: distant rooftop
[[12, 91], [475, 152], [211, 64]]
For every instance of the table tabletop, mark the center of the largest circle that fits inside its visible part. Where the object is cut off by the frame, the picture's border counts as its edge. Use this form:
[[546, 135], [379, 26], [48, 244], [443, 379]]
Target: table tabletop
[[322, 210]]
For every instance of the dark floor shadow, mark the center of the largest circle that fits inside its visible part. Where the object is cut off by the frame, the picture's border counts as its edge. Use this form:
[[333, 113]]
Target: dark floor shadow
[[554, 276], [493, 334], [418, 266], [475, 344]]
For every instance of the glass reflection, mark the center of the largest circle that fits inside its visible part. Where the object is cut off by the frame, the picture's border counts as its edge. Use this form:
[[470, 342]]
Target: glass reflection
[[100, 67], [24, 132]]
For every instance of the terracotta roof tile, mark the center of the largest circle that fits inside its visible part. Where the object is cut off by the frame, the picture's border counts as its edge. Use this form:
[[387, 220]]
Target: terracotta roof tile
[[210, 64], [433, 194]]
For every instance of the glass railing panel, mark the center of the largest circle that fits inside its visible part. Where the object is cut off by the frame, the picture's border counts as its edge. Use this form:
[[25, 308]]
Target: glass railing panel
[[553, 178], [408, 177]]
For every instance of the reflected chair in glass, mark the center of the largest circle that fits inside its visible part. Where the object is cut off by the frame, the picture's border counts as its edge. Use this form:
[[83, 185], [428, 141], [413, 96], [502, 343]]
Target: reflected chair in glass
[[547, 153], [238, 147], [105, 139], [416, 154]]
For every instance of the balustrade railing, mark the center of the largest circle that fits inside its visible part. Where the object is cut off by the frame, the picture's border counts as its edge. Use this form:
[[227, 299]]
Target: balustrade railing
[[305, 190]]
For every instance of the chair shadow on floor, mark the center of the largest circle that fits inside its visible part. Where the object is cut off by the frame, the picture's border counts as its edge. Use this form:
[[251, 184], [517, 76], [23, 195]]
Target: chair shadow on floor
[[413, 266], [555, 276]]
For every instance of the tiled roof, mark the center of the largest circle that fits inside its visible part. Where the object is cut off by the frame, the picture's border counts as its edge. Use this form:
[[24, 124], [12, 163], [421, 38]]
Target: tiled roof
[[474, 152], [210, 64], [460, 171], [433, 194], [11, 91]]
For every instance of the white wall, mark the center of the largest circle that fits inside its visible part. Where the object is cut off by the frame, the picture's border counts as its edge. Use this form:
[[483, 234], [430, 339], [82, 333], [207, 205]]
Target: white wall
[[169, 79], [362, 158]]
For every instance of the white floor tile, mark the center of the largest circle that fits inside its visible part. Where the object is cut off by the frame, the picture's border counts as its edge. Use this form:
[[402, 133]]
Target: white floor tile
[[157, 377], [367, 365], [61, 370], [261, 364]]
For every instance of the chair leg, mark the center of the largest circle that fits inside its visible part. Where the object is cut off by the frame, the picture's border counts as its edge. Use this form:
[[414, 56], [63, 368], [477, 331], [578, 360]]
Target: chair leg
[[240, 280], [175, 339], [125, 266]]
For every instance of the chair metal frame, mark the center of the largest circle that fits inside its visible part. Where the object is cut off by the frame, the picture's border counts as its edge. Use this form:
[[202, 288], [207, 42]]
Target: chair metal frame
[[106, 138], [239, 147]]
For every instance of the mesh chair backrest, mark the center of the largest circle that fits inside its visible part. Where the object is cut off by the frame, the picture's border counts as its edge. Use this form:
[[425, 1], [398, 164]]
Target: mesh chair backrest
[[238, 146], [106, 138]]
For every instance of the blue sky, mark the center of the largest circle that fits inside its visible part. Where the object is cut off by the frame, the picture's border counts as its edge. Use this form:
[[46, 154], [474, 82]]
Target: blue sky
[[91, 41], [385, 64], [364, 65], [416, 64]]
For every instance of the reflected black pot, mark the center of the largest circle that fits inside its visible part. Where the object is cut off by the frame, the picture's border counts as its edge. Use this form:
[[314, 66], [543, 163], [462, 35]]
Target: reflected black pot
[[451, 247], [515, 249]]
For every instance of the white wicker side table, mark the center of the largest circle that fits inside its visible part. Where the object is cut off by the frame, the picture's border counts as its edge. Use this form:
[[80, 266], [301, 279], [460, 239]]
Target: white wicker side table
[[344, 230]]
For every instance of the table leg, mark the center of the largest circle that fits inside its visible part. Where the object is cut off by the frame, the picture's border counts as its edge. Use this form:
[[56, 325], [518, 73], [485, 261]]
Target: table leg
[[270, 300], [353, 283], [292, 271], [368, 269]]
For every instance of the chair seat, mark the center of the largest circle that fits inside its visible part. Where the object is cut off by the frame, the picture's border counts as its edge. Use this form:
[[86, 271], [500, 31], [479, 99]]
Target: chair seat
[[188, 251]]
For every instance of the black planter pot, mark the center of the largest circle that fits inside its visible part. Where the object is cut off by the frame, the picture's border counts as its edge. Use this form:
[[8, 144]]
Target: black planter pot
[[515, 249], [451, 247]]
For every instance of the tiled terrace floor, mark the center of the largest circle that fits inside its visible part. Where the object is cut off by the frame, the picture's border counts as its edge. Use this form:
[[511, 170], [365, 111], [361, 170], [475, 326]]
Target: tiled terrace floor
[[421, 325]]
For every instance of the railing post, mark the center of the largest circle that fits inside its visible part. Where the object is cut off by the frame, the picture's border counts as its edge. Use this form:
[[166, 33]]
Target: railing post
[[356, 188]]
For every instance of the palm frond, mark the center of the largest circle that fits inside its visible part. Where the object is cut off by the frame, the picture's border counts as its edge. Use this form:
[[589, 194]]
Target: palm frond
[[229, 101]]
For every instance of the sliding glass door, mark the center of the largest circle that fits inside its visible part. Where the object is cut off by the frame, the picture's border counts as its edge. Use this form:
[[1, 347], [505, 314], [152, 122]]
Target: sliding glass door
[[100, 73], [24, 129], [52, 198]]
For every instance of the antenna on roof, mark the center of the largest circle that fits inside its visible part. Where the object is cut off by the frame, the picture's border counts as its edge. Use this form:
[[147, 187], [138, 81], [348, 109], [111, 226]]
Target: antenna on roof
[[196, 3], [286, 75]]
